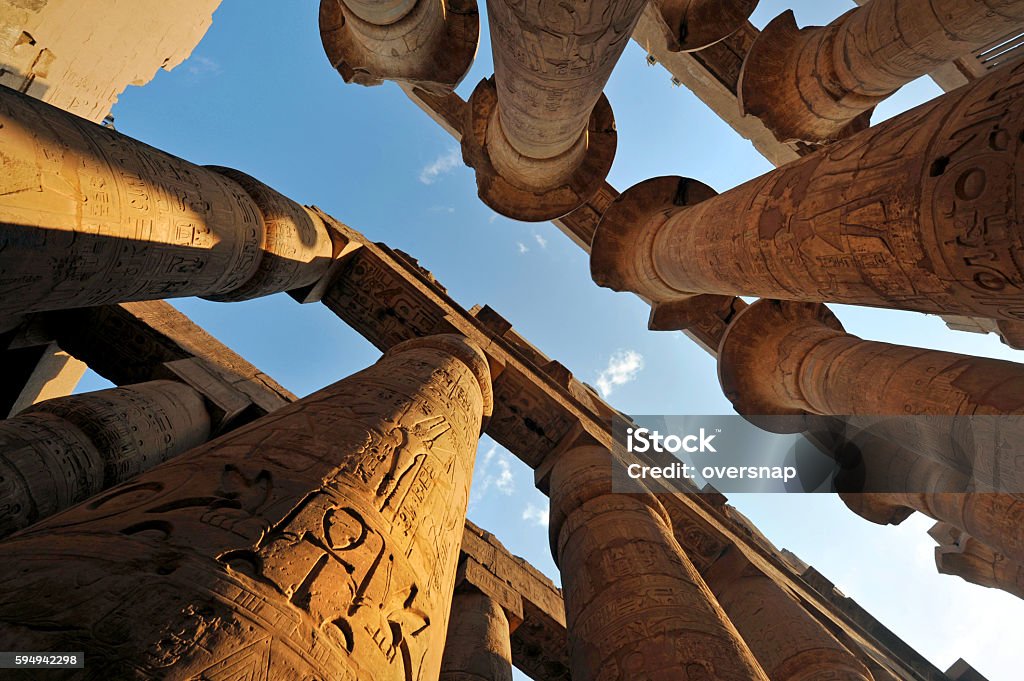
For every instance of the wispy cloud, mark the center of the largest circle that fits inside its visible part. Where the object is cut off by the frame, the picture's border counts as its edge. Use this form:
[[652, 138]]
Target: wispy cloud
[[622, 368], [491, 219], [536, 515], [541, 241], [441, 165], [523, 248], [493, 472], [198, 65]]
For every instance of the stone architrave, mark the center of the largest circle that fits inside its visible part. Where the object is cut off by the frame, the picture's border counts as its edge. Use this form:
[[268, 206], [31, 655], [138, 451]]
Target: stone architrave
[[430, 44], [635, 605], [921, 212], [478, 646], [813, 84], [89, 216], [789, 644], [319, 541], [696, 24], [540, 135], [62, 451]]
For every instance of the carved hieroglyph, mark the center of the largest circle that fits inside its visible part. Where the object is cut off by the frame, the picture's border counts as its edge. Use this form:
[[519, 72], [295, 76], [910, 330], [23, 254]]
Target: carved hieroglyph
[[921, 212], [62, 451], [89, 216], [426, 43], [319, 542], [635, 605], [80, 56], [478, 646], [785, 638], [540, 135], [811, 84]]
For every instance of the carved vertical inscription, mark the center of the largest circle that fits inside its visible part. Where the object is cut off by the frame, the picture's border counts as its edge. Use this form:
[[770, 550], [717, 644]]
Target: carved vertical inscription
[[317, 542], [89, 216]]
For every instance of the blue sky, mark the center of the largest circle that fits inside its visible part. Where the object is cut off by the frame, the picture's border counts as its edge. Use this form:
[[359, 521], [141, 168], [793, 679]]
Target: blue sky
[[259, 95]]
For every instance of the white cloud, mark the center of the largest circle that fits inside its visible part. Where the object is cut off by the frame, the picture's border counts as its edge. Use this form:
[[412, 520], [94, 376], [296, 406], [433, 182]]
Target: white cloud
[[492, 219], [493, 472], [441, 165], [622, 368], [537, 516], [541, 241], [522, 247], [201, 66]]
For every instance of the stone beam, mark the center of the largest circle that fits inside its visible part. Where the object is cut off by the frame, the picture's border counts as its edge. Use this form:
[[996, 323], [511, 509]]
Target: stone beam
[[969, 558], [36, 373]]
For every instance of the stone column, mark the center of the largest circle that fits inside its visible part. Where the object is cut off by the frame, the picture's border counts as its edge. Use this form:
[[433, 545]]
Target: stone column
[[89, 216], [790, 359], [962, 555], [317, 542], [811, 84], [635, 606], [478, 646], [63, 451], [787, 641], [541, 135], [425, 43], [920, 213], [696, 24]]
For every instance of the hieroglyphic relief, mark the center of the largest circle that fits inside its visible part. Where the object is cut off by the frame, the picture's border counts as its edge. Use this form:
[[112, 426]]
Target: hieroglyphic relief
[[916, 213], [89, 216], [317, 542], [83, 444]]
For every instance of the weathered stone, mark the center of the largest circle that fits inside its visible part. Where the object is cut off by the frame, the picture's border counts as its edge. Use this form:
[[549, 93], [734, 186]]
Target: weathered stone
[[320, 541], [34, 374], [80, 56], [962, 555], [423, 43], [786, 640], [697, 24], [89, 216], [813, 84], [63, 451], [917, 213], [634, 603], [541, 136], [477, 647]]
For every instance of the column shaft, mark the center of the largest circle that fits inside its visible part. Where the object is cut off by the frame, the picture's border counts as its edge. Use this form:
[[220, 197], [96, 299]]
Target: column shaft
[[635, 605], [964, 556], [919, 213], [786, 640], [63, 451], [317, 542], [478, 646], [810, 84], [89, 216]]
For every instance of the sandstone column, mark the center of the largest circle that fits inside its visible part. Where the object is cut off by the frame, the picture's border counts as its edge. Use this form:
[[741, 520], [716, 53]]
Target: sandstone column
[[696, 24], [635, 605], [540, 134], [62, 451], [784, 358], [810, 84], [426, 43], [89, 216], [921, 213], [962, 555], [478, 646], [786, 640], [317, 542]]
